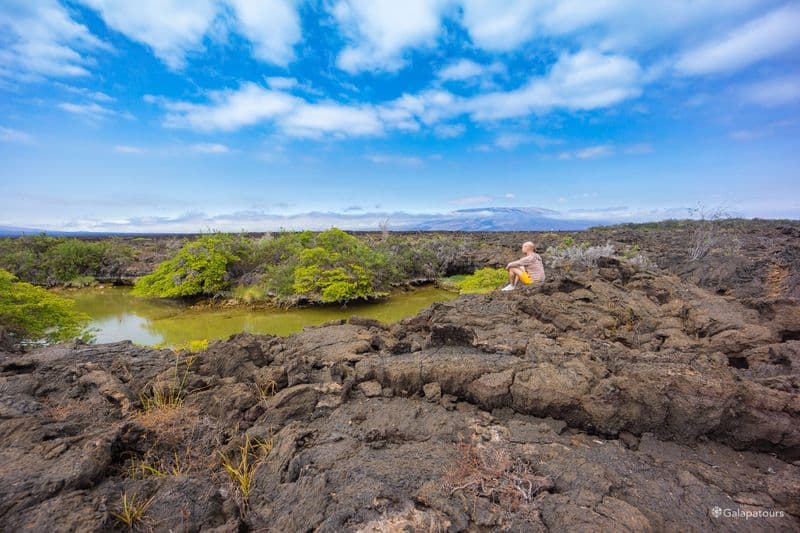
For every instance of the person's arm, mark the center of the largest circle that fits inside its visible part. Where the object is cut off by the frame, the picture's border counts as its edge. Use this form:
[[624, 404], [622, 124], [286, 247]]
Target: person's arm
[[517, 263]]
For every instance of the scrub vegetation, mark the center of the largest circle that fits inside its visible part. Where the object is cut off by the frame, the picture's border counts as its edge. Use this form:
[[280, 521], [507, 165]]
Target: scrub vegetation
[[481, 281], [33, 314], [54, 261], [332, 266], [203, 267]]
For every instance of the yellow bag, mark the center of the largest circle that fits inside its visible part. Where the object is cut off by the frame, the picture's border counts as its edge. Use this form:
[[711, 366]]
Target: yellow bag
[[525, 278]]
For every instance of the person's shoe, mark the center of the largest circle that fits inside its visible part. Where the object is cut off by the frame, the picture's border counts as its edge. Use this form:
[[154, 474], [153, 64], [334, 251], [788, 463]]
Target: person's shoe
[[508, 287]]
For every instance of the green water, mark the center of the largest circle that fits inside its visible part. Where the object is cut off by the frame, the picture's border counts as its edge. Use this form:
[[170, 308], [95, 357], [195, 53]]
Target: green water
[[117, 315]]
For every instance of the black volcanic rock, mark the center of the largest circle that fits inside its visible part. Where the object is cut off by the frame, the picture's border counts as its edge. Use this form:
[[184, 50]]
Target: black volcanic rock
[[625, 399]]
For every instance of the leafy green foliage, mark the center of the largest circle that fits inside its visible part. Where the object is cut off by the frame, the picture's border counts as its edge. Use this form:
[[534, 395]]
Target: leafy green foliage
[[201, 267], [338, 268], [33, 314], [566, 242], [277, 258], [45, 260], [482, 280]]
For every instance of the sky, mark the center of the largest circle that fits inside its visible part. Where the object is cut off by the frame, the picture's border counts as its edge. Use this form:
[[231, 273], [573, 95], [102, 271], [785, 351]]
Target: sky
[[183, 115]]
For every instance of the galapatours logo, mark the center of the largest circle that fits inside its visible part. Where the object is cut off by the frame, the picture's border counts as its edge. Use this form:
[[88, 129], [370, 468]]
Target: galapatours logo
[[718, 512]]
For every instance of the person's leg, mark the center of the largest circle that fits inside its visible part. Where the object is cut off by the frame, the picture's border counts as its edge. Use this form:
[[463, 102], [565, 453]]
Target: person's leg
[[512, 279], [514, 275]]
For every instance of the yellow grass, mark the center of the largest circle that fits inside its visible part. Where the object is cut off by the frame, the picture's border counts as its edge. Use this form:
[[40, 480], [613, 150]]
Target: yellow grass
[[132, 510], [242, 469]]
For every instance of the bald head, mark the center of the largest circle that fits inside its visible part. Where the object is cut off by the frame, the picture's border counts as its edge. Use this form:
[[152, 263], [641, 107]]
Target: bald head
[[527, 247]]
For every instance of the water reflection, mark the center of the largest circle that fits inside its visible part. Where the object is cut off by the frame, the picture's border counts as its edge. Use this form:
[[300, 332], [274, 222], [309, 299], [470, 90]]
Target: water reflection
[[117, 315]]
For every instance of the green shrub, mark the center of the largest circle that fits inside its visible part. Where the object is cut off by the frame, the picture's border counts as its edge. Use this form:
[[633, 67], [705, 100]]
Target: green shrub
[[338, 268], [201, 267], [417, 259], [273, 251], [33, 314], [483, 280], [279, 279], [631, 251], [45, 260], [566, 242]]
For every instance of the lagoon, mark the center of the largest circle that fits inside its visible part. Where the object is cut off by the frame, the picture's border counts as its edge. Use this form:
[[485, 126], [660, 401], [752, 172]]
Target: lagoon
[[118, 315]]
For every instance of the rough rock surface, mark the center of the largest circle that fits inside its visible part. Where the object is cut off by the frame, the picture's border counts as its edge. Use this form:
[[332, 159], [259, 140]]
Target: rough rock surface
[[620, 399]]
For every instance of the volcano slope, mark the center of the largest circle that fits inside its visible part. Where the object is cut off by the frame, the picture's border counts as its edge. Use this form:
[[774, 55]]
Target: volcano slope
[[615, 399]]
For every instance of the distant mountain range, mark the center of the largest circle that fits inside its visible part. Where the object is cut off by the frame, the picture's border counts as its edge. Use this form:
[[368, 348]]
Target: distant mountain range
[[501, 219], [472, 219]]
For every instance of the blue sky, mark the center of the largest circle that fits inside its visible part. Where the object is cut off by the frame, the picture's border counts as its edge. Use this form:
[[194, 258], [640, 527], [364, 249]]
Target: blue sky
[[162, 115]]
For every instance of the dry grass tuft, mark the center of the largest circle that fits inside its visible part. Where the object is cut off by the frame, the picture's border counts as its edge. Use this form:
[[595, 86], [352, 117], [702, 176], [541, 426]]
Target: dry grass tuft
[[241, 470], [153, 467], [132, 511], [268, 390], [173, 395]]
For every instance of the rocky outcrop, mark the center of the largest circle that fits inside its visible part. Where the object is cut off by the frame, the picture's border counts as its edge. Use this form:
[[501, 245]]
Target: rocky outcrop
[[621, 399]]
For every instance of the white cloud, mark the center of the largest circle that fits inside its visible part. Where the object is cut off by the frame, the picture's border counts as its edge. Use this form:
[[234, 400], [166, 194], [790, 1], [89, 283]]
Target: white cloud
[[210, 148], [91, 110], [128, 149], [230, 110], [473, 200], [449, 131], [462, 69], [466, 69], [509, 141], [403, 160], [94, 95], [39, 39], [318, 120], [380, 31], [590, 152], [769, 35], [280, 82], [252, 104], [609, 25], [272, 26], [499, 26], [581, 81], [12, 135], [772, 92], [171, 28]]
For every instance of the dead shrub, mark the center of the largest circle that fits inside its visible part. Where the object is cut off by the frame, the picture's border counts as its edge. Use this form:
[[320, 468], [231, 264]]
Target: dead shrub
[[492, 472]]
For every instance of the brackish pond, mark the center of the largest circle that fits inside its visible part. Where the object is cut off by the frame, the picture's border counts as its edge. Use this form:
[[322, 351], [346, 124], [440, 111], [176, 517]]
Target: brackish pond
[[117, 315]]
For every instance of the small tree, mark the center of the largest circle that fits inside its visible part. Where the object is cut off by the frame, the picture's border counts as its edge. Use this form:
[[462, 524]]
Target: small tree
[[199, 268], [339, 268], [33, 314]]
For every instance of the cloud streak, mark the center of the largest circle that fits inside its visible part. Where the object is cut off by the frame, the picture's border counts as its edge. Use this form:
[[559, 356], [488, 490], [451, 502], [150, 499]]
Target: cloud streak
[[767, 36], [10, 135], [582, 81]]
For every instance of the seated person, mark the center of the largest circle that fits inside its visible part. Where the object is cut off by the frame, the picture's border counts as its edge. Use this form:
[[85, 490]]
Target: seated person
[[531, 264]]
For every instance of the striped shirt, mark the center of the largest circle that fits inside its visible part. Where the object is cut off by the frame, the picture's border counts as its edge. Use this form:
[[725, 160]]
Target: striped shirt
[[532, 264]]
